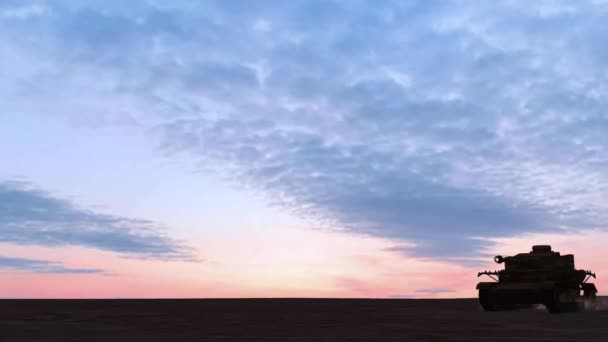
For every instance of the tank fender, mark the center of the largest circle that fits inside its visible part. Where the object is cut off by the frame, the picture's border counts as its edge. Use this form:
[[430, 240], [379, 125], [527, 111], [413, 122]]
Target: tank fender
[[589, 287], [485, 285]]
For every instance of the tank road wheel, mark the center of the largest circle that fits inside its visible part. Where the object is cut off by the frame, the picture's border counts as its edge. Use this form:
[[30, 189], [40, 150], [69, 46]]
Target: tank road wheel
[[552, 301], [487, 300], [589, 294], [589, 297], [559, 301]]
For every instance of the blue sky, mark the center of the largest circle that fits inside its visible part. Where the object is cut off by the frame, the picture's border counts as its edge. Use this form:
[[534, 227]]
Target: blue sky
[[137, 128]]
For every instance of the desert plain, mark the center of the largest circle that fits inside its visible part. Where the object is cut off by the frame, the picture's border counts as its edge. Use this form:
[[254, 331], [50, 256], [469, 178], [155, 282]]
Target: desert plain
[[305, 320]]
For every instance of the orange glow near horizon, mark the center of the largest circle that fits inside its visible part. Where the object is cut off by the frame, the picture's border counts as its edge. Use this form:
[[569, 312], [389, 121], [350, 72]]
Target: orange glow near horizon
[[296, 263]]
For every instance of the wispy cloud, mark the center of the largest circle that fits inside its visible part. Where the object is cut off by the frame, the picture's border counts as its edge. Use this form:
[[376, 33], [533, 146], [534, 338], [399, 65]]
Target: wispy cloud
[[434, 291], [422, 293], [432, 122], [42, 266], [30, 216], [23, 12]]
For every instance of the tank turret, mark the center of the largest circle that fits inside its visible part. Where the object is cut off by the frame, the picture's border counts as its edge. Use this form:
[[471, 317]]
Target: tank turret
[[542, 276]]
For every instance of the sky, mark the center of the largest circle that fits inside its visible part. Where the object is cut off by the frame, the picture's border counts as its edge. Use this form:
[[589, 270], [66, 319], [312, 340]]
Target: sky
[[382, 149]]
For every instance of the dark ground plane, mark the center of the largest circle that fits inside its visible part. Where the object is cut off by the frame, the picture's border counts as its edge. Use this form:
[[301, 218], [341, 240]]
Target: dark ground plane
[[307, 320]]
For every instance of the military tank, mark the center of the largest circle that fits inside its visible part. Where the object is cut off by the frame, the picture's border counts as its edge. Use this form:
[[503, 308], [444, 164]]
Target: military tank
[[542, 276]]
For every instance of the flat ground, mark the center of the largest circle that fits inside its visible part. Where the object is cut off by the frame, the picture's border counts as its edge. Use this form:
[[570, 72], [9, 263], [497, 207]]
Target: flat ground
[[306, 320]]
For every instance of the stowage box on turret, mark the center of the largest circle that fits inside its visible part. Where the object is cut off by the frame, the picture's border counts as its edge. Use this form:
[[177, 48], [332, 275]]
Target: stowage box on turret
[[539, 277]]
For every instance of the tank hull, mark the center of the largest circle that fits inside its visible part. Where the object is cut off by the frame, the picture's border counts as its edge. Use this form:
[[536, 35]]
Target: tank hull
[[542, 276], [555, 297]]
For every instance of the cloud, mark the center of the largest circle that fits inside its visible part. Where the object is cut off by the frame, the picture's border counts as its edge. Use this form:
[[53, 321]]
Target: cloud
[[42, 266], [431, 122], [402, 296], [434, 291], [422, 293], [29, 216], [23, 12]]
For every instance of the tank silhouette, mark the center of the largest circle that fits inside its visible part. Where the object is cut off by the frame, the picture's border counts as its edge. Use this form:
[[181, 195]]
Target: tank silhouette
[[543, 277]]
